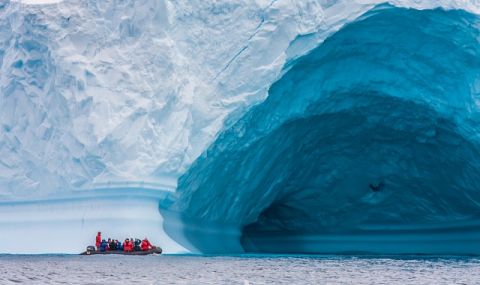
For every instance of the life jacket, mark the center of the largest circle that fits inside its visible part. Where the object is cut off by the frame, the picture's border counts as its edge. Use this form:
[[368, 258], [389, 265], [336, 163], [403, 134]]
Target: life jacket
[[146, 245], [128, 246]]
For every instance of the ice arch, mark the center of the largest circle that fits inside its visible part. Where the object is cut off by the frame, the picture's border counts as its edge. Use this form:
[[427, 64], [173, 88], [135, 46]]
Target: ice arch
[[369, 143]]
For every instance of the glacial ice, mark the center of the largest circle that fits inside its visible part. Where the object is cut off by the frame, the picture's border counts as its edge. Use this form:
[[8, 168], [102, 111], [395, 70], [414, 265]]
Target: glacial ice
[[111, 92], [97, 91], [392, 99], [68, 223]]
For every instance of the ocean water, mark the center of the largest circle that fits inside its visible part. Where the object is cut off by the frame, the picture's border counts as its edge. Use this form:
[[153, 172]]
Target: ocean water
[[252, 269]]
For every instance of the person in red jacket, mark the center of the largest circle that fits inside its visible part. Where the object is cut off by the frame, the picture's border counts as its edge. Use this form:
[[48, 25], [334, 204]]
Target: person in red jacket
[[127, 246], [145, 245], [98, 240], [130, 245]]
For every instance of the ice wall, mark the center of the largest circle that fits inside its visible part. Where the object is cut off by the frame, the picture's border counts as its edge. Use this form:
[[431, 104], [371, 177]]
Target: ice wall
[[369, 143], [97, 91], [68, 223]]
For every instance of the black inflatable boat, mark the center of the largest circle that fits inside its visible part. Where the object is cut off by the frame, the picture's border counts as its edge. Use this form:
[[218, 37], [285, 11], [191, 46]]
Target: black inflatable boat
[[92, 251]]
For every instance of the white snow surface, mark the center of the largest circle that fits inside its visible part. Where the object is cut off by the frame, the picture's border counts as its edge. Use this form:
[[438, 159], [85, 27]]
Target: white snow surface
[[97, 91]]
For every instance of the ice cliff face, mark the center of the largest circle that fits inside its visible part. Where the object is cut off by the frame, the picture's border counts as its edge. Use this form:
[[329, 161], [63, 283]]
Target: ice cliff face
[[369, 143], [95, 91], [98, 91]]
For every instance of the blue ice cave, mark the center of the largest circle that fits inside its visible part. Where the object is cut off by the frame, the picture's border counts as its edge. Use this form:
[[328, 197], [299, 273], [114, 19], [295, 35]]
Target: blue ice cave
[[368, 144]]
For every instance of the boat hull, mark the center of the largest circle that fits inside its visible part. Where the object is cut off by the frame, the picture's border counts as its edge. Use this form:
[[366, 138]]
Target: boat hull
[[156, 250]]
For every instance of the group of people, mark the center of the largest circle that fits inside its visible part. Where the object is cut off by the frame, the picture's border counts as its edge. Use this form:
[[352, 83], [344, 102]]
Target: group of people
[[128, 245]]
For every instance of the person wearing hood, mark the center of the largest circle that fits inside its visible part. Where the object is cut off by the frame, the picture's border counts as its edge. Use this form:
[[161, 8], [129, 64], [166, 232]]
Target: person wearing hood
[[103, 246], [98, 240], [127, 246], [146, 245]]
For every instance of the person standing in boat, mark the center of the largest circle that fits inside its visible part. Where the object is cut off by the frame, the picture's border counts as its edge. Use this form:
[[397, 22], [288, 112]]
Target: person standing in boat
[[98, 240]]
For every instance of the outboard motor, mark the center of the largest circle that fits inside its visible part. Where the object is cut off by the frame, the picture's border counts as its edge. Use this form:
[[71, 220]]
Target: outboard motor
[[90, 249]]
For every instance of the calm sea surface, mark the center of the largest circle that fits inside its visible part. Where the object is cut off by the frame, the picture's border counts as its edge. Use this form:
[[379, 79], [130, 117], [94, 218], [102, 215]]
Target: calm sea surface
[[171, 269]]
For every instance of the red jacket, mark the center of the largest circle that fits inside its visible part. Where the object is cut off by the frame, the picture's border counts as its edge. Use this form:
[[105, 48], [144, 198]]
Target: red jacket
[[127, 246], [98, 241], [145, 245]]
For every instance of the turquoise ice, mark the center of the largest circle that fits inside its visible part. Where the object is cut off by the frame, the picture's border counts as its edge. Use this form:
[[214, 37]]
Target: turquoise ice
[[392, 100]]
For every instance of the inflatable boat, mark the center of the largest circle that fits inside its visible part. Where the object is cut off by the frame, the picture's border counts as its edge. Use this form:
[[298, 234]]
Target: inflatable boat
[[92, 251]]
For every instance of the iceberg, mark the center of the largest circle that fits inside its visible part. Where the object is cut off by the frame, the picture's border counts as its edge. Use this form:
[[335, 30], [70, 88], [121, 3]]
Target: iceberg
[[369, 143], [271, 117], [96, 92]]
